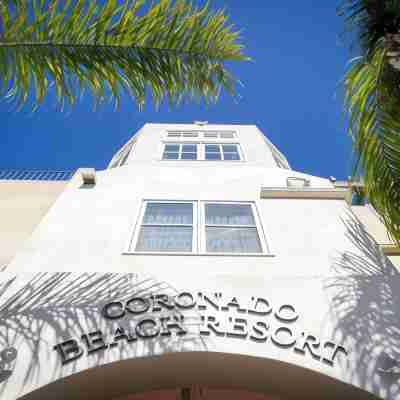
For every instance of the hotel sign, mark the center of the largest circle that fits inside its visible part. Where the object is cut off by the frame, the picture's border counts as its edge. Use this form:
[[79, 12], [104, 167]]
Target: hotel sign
[[150, 317]]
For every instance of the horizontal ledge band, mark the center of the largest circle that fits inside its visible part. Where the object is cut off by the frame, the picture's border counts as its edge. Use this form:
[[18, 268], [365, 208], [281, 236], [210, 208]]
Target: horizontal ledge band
[[305, 193]]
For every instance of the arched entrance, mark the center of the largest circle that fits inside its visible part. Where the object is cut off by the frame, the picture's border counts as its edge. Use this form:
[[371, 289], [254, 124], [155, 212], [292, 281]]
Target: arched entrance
[[200, 393], [188, 374]]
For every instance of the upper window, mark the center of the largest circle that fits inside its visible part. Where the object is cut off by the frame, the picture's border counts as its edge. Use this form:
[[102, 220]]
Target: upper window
[[183, 134], [203, 134], [199, 228], [219, 135], [201, 151], [226, 152], [177, 151]]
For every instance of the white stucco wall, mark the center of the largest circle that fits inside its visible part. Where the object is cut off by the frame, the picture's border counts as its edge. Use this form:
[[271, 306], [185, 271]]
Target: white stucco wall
[[22, 205], [321, 260]]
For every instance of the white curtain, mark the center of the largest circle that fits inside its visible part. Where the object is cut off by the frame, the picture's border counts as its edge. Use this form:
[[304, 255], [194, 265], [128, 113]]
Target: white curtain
[[229, 214], [231, 228], [165, 238], [166, 227], [168, 214]]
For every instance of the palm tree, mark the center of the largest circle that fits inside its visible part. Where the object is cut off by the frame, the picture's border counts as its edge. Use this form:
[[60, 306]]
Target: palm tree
[[169, 50], [372, 98]]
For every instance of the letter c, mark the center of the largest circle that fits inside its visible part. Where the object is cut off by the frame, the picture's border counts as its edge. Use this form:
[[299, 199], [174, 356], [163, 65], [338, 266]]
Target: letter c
[[108, 313]]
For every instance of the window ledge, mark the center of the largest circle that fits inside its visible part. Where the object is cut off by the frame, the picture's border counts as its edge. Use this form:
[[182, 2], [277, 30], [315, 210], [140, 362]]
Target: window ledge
[[305, 193], [155, 253]]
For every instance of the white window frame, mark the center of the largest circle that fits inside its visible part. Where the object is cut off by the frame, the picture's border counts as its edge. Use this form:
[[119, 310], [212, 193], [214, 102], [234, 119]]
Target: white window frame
[[181, 144], [258, 225], [183, 135], [221, 152], [196, 134], [139, 223], [199, 230], [201, 151]]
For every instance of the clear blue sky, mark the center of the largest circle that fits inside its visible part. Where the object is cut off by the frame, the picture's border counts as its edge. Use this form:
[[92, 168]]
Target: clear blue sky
[[291, 92]]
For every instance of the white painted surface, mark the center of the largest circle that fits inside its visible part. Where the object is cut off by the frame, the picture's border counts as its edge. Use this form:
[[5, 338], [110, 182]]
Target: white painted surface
[[22, 206], [323, 261]]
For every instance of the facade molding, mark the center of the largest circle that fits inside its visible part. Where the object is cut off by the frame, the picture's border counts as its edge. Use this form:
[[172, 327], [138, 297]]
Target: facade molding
[[305, 193]]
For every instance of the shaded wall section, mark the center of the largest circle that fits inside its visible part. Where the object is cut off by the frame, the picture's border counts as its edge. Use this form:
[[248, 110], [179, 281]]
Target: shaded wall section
[[23, 204]]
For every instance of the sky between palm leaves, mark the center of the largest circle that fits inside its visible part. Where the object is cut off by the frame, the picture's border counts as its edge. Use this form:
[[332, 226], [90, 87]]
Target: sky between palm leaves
[[290, 91]]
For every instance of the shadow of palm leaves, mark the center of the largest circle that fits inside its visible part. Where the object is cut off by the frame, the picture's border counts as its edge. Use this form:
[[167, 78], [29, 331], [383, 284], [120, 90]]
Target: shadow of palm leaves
[[69, 303], [365, 298]]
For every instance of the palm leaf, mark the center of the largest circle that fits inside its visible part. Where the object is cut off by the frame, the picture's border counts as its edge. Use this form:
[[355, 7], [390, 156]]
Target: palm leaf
[[169, 50], [373, 102], [372, 98]]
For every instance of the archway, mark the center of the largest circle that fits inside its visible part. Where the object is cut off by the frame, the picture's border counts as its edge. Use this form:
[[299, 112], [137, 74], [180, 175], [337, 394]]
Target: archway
[[134, 378]]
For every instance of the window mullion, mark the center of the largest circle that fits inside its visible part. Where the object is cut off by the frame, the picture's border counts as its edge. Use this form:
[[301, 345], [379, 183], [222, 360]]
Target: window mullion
[[195, 245]]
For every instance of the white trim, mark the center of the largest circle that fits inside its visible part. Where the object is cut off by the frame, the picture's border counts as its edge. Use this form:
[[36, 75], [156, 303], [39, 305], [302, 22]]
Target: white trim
[[138, 253], [198, 232], [305, 193], [201, 133], [130, 249], [201, 153], [258, 226], [180, 145]]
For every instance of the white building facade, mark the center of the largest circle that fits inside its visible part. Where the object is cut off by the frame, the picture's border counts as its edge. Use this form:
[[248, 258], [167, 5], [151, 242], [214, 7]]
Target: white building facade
[[200, 265]]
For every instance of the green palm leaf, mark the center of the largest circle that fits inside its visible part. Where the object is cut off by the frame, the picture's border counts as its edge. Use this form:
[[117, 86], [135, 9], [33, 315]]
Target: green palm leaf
[[372, 99], [373, 102], [167, 50]]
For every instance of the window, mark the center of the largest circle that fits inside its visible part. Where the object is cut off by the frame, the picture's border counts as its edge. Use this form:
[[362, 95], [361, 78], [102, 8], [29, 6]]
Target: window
[[204, 134], [125, 158], [219, 135], [211, 228], [222, 152], [176, 151], [231, 228], [166, 227], [201, 151], [183, 134]]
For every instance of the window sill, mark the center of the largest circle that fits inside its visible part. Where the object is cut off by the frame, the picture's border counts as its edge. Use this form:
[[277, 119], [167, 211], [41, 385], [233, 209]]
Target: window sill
[[155, 253]]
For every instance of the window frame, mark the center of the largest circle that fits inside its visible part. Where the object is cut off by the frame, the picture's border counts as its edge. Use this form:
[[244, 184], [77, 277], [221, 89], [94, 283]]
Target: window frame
[[180, 146], [199, 230], [183, 135], [201, 134], [131, 248], [221, 151], [259, 229], [201, 150]]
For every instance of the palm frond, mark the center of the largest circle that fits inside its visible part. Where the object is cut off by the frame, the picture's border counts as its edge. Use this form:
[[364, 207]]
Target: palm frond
[[371, 19], [373, 101], [170, 50]]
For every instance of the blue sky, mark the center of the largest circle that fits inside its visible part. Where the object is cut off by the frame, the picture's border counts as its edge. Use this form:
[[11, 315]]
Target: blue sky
[[291, 92]]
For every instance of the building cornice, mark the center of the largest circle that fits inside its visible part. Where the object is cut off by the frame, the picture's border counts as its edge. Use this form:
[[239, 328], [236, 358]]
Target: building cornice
[[306, 193]]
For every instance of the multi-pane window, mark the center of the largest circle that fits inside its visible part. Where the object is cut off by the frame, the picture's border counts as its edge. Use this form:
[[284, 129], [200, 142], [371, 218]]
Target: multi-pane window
[[201, 151], [204, 134], [231, 228], [166, 227], [177, 151], [210, 228], [183, 135], [219, 135], [222, 152]]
